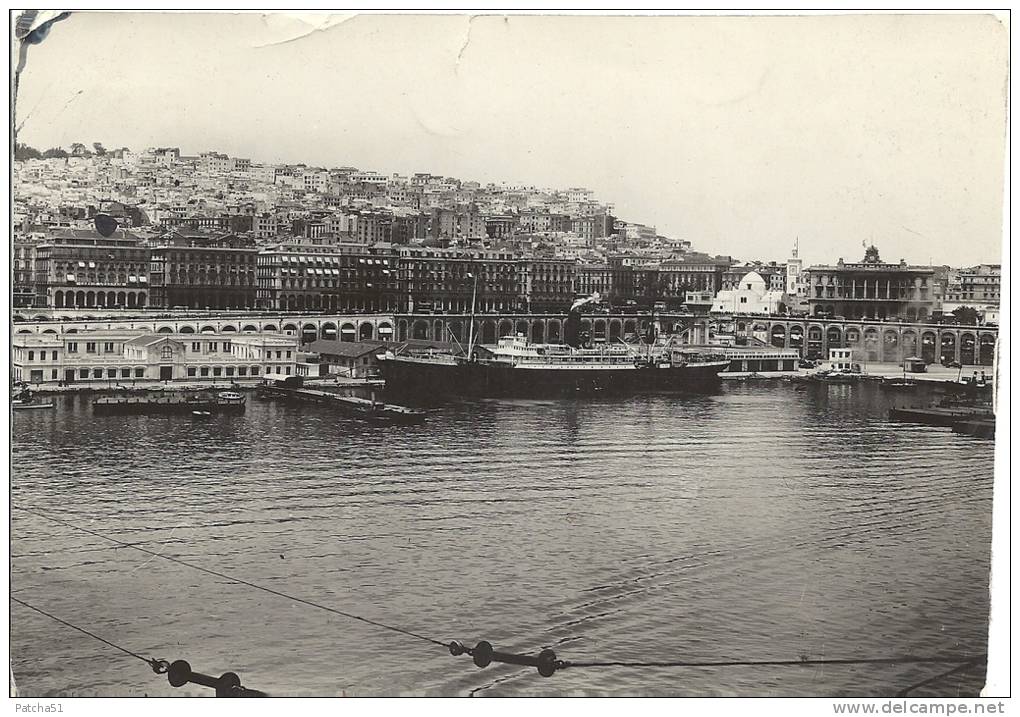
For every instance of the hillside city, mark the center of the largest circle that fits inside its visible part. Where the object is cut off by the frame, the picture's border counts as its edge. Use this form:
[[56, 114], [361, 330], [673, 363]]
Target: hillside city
[[211, 231]]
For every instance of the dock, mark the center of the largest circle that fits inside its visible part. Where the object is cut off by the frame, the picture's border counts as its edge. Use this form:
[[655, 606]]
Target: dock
[[370, 410]]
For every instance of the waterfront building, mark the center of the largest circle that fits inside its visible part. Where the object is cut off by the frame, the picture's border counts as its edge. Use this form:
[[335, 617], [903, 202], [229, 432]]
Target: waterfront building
[[549, 284], [334, 277], [976, 287], [841, 359], [82, 268], [437, 279], [354, 359], [752, 295], [204, 271], [119, 357], [873, 289]]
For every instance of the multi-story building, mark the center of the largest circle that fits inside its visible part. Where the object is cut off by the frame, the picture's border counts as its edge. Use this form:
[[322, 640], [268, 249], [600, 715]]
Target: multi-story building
[[978, 288], [119, 357], [549, 284], [23, 270], [204, 271], [873, 289], [438, 279], [82, 268], [335, 277]]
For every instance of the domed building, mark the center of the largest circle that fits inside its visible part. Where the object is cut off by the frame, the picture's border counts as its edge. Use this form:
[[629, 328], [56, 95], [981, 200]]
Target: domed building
[[750, 296]]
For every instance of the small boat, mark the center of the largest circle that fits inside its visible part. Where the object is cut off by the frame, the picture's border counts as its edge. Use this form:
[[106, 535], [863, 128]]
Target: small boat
[[898, 384], [25, 406], [201, 414], [26, 400]]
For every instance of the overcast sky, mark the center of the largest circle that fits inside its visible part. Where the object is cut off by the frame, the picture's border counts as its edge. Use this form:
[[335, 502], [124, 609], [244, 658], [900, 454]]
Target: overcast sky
[[739, 134]]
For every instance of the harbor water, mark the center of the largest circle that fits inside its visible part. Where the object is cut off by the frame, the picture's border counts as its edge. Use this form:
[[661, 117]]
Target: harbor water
[[769, 521]]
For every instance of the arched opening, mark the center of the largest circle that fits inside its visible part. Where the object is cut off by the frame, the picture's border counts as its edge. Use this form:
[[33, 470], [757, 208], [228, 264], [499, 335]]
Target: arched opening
[[301, 302], [438, 332], [599, 330], [45, 331], [269, 329], [79, 299], [777, 337], [834, 337], [249, 329], [366, 331], [553, 331], [796, 337], [207, 329], [629, 327], [947, 351], [538, 331], [385, 331], [929, 346], [871, 344], [968, 349], [454, 332], [121, 298], [348, 332], [616, 330], [908, 344], [58, 299], [228, 329], [28, 331], [488, 332], [891, 347], [506, 328], [290, 329], [402, 330], [132, 300], [187, 330], [521, 327], [419, 330], [986, 355], [164, 330], [911, 313], [308, 333], [328, 331]]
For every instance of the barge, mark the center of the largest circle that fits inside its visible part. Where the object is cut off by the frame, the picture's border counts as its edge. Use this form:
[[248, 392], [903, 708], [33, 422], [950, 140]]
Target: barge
[[223, 402]]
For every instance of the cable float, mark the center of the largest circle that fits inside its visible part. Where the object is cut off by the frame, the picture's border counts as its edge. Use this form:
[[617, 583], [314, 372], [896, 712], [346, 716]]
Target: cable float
[[484, 654], [179, 673]]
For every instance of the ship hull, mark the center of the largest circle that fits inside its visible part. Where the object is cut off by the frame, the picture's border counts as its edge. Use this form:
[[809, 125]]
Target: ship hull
[[496, 379]]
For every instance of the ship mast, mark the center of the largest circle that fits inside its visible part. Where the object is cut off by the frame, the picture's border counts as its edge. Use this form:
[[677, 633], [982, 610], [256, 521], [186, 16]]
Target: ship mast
[[471, 323]]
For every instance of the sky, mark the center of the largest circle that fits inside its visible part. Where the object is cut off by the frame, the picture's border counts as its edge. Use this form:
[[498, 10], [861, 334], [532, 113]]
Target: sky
[[740, 134]]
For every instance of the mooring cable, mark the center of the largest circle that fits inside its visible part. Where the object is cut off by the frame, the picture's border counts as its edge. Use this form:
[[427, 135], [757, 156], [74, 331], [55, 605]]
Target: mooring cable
[[231, 578], [484, 653], [178, 672]]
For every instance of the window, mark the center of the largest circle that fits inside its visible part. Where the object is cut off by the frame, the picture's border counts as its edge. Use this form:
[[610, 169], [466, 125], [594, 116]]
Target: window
[[97, 373], [90, 347], [212, 347], [217, 371], [230, 370], [54, 356], [226, 347], [139, 373], [288, 354], [743, 299], [196, 346], [167, 353], [53, 373], [111, 373], [204, 370], [83, 373], [125, 373], [192, 371], [242, 370], [31, 355], [108, 347], [72, 347]]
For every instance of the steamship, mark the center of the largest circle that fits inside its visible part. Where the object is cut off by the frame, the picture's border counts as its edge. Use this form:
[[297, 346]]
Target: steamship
[[517, 367]]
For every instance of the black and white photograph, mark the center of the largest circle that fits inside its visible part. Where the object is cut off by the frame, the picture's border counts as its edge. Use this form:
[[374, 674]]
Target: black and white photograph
[[515, 354]]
